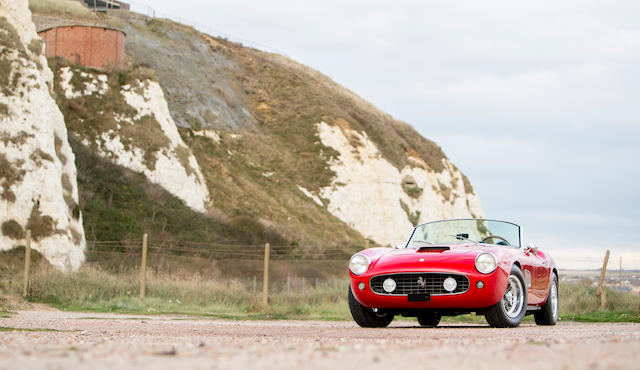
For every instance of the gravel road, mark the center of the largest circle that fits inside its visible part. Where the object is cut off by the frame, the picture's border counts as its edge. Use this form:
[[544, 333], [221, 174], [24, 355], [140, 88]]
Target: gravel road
[[107, 341]]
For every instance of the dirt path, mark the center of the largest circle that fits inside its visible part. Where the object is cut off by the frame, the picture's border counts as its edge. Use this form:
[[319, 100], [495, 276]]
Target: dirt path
[[104, 341]]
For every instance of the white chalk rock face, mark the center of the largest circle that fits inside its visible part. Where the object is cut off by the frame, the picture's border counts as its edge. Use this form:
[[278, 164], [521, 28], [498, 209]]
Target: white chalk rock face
[[173, 165], [38, 187], [382, 202], [183, 180]]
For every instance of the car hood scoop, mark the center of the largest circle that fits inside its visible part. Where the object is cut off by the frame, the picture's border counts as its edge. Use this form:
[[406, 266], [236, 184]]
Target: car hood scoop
[[438, 248]]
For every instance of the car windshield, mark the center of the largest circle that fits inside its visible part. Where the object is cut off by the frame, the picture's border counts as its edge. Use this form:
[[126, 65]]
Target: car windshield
[[464, 231]]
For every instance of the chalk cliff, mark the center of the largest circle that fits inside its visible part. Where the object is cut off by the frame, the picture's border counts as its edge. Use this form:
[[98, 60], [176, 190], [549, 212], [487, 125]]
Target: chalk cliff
[[38, 187]]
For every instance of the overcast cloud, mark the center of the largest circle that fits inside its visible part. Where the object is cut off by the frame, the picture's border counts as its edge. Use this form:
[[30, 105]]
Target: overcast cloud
[[538, 103]]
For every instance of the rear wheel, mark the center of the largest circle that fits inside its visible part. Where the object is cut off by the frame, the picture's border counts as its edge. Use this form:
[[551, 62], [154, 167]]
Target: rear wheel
[[548, 315], [510, 310], [429, 319], [367, 317]]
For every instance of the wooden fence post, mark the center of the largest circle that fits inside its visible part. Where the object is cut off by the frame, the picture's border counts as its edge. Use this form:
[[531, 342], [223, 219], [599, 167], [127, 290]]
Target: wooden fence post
[[143, 266], [265, 278], [600, 291], [27, 264]]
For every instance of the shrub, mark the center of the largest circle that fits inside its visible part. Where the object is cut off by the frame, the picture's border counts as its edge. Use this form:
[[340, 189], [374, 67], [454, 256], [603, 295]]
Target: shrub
[[12, 229]]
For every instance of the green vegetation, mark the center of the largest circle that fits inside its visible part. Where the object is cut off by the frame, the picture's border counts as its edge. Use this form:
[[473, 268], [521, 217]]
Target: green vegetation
[[6, 328], [92, 116], [5, 314], [121, 205], [414, 191], [580, 303], [414, 217], [239, 187]]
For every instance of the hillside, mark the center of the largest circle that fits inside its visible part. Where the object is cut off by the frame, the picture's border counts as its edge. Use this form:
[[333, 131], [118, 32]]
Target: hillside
[[279, 107], [198, 138]]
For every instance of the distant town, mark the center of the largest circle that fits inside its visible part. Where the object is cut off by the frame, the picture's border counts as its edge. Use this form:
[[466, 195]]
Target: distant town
[[620, 280]]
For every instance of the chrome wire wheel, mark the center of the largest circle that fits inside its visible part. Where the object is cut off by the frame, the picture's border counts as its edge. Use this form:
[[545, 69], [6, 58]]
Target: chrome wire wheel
[[513, 299], [553, 296]]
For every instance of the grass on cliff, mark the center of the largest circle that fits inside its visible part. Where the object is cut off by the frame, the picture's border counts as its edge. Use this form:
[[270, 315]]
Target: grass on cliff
[[61, 8], [120, 205]]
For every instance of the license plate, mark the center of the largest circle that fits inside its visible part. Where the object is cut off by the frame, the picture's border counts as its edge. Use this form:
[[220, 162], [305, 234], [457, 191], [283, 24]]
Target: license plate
[[419, 297]]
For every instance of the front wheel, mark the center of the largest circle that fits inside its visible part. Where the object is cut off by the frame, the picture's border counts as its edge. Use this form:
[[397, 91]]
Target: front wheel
[[548, 315], [429, 319], [510, 310], [367, 317]]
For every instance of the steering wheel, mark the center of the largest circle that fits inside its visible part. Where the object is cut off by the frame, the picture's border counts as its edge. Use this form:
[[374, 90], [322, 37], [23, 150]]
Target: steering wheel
[[496, 237]]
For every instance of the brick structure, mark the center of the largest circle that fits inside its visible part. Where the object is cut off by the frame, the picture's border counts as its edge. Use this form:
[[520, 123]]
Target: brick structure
[[91, 46]]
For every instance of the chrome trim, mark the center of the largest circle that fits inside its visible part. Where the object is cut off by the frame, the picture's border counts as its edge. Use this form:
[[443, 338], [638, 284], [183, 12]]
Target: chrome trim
[[420, 273]]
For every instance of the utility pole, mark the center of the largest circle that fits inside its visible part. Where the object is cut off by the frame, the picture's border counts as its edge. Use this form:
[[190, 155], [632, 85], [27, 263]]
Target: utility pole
[[621, 271]]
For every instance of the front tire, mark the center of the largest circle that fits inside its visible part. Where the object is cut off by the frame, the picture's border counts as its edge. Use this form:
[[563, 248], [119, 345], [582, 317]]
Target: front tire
[[548, 315], [429, 319], [365, 316], [510, 310]]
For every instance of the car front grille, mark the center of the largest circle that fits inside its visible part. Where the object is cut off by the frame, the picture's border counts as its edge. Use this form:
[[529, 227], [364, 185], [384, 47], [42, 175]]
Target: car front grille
[[419, 283]]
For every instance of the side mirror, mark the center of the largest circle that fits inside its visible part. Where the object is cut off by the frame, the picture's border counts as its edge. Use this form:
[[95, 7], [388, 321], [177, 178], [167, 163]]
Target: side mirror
[[398, 246], [531, 248]]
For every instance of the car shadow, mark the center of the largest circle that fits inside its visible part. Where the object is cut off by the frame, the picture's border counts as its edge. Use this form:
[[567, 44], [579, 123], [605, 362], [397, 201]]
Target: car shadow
[[442, 327]]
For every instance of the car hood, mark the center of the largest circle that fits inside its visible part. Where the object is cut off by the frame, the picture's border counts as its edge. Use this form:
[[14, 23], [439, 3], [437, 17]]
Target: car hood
[[429, 256]]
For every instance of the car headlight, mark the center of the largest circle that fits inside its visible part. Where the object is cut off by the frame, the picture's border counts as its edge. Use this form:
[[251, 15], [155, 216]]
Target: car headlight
[[486, 262], [359, 264], [389, 285], [449, 284]]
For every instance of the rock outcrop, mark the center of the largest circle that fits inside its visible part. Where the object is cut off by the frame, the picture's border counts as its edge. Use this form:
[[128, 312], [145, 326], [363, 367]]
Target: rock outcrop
[[381, 201], [38, 187], [129, 123]]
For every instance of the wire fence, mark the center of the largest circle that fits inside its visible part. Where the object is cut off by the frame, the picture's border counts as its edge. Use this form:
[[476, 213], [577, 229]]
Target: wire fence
[[288, 267], [148, 11], [215, 251]]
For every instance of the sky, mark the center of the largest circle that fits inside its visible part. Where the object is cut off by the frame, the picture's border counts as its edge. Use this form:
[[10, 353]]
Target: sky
[[537, 102]]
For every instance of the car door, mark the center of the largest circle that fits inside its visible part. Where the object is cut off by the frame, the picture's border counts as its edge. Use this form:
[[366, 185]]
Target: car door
[[536, 275]]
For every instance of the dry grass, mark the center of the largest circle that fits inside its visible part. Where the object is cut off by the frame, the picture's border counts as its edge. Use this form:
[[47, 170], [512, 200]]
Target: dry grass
[[181, 290], [61, 8], [93, 289], [41, 226], [4, 110], [10, 174], [582, 299]]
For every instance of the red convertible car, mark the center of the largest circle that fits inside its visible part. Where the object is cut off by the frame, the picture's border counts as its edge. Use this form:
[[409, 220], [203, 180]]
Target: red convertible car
[[454, 267]]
